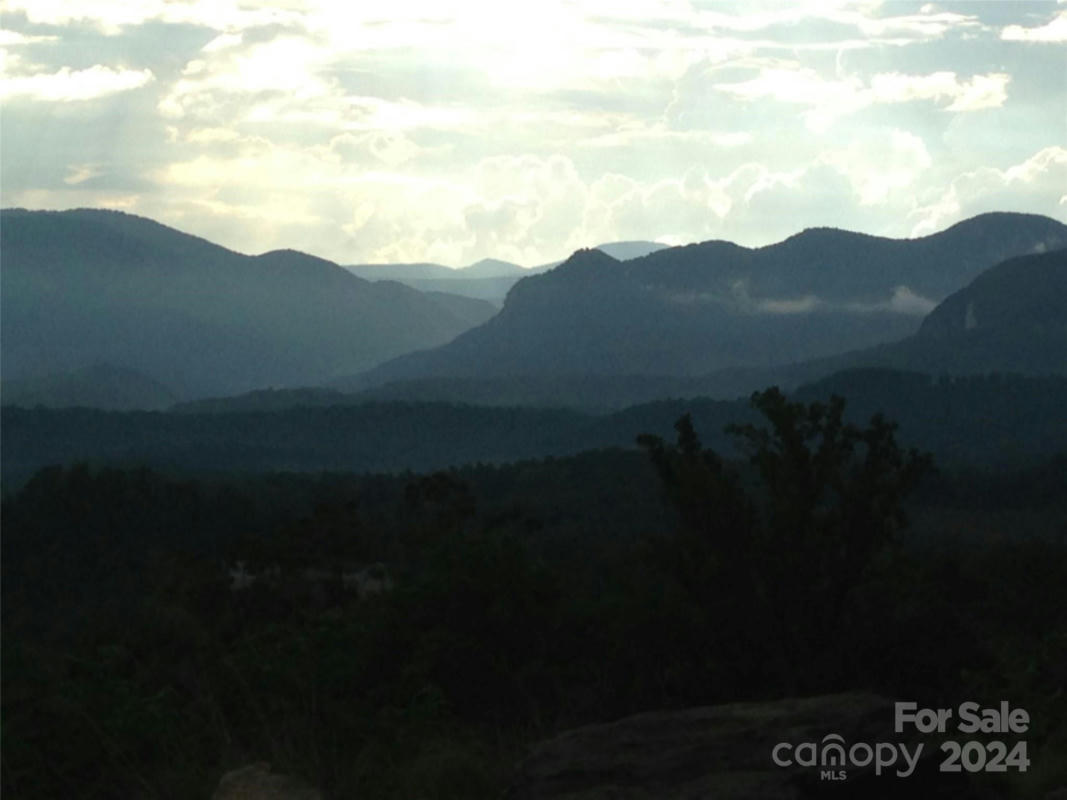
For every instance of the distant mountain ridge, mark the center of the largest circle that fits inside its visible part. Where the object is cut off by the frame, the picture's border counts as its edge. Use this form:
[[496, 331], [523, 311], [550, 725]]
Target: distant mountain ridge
[[486, 268], [87, 286], [1012, 319], [177, 316], [103, 386], [695, 310], [489, 279]]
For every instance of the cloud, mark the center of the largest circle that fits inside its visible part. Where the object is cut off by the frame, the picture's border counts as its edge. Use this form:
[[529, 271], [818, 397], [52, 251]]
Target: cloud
[[71, 85], [294, 80], [1054, 31], [678, 210], [539, 203], [880, 164], [831, 99], [392, 149], [638, 135], [902, 301], [112, 17], [905, 301], [928, 24], [788, 84], [107, 16], [517, 208], [211, 135], [1037, 182], [80, 173], [872, 19], [793, 305], [218, 85], [982, 91], [15, 39]]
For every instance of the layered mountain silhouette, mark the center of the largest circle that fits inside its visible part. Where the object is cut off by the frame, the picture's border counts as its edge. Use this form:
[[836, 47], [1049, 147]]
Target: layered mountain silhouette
[[486, 268], [1011, 318], [153, 315], [719, 308], [102, 386], [489, 279], [90, 286]]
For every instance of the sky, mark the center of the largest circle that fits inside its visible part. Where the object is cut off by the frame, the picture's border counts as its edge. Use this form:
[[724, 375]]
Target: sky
[[429, 130]]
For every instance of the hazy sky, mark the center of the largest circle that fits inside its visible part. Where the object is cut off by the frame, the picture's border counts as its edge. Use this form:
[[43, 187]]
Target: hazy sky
[[412, 130]]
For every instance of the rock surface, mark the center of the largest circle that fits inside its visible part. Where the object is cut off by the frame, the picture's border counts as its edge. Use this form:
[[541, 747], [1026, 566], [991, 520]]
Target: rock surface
[[257, 782], [725, 752]]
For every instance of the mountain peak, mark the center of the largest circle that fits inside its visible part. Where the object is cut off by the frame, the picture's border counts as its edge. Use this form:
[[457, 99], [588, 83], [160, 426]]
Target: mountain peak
[[586, 264], [203, 319], [490, 268], [1000, 218], [290, 256], [589, 256], [822, 234]]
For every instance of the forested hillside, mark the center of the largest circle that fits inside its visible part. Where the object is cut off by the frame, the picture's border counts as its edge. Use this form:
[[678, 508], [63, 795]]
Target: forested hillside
[[85, 287]]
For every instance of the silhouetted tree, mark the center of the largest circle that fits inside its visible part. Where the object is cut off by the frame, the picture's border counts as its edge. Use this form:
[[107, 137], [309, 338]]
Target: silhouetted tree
[[781, 552]]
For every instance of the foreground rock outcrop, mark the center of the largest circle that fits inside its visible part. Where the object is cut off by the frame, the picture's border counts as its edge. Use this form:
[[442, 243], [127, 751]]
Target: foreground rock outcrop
[[726, 752], [257, 782]]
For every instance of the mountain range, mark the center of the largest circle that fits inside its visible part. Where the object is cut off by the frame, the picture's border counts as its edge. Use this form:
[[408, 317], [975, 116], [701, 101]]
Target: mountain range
[[718, 312], [85, 287], [489, 279], [111, 310]]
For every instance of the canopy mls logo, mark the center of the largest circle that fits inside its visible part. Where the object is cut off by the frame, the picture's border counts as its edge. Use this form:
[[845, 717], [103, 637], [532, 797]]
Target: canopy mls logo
[[834, 757], [834, 760]]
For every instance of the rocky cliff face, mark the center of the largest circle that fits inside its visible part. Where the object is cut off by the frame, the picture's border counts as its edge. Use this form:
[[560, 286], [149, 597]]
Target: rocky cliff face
[[726, 752]]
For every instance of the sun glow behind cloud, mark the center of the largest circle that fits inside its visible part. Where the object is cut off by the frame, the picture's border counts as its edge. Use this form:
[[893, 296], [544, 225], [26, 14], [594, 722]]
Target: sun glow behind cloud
[[454, 131]]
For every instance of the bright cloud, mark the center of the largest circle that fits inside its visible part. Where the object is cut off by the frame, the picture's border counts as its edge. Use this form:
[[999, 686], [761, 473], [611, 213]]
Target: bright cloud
[[880, 166], [982, 91], [113, 17], [830, 99], [1039, 180], [14, 39], [1054, 31], [80, 173], [70, 85], [286, 66]]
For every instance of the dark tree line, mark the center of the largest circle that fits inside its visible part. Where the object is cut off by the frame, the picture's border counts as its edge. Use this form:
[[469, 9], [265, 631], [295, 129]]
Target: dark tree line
[[526, 599]]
